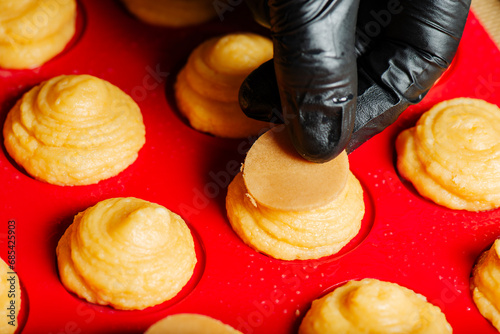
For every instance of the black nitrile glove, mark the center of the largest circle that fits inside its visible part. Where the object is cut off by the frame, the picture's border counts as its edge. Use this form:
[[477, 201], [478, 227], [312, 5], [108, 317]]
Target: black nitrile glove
[[341, 74]]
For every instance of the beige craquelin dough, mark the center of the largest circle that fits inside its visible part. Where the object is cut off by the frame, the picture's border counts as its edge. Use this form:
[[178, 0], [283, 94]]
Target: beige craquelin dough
[[375, 307], [452, 155], [34, 31], [127, 253], [281, 221], [10, 299], [485, 284], [190, 324], [172, 13], [207, 87], [74, 130]]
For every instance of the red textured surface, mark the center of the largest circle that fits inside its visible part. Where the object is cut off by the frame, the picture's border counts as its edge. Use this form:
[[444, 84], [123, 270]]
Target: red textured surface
[[406, 239]]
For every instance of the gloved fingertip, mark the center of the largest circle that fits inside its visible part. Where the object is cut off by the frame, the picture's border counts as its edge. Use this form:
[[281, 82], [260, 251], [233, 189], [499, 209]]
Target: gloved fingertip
[[319, 153], [259, 95], [319, 137]]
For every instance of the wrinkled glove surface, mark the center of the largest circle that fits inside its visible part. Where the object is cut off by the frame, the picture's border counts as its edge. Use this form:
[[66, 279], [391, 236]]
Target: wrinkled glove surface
[[344, 70]]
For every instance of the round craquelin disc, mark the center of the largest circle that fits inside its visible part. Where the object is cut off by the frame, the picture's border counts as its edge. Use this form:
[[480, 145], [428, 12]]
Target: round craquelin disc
[[277, 177]]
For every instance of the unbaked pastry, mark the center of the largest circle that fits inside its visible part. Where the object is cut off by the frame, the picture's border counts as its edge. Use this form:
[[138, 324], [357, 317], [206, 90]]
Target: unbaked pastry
[[190, 324], [172, 13], [10, 299], [452, 155], [485, 284], [269, 204], [74, 130], [290, 235], [207, 87], [34, 31], [127, 253], [375, 307]]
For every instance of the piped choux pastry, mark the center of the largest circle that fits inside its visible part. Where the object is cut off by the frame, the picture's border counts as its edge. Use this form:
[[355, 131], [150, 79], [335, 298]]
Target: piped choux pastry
[[190, 324], [34, 31], [485, 284], [172, 13], [375, 307], [127, 253], [452, 155], [290, 208], [74, 130], [207, 87]]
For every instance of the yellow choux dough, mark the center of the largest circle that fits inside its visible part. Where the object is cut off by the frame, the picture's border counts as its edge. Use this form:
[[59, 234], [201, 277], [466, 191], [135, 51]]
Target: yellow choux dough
[[264, 211], [172, 13], [74, 130], [190, 324], [34, 31], [485, 284], [127, 253], [452, 155], [290, 235], [207, 87], [10, 299], [375, 307]]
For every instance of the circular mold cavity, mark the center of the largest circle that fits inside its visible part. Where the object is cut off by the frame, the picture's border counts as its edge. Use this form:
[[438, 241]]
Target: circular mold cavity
[[306, 307], [408, 184], [364, 231], [81, 23], [366, 227], [405, 182], [18, 167], [25, 308], [186, 290]]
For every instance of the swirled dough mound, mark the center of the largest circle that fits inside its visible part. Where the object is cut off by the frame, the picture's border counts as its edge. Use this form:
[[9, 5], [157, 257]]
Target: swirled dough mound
[[290, 208], [452, 155], [34, 31], [74, 130], [376, 307], [190, 324], [172, 13], [207, 87], [485, 284], [290, 235], [10, 299], [127, 253]]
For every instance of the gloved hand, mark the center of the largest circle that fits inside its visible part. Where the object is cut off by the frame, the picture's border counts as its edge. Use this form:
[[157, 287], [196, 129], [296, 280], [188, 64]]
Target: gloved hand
[[344, 70]]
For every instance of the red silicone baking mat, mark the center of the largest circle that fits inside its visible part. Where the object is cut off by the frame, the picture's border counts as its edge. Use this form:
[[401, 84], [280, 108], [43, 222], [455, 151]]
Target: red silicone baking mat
[[405, 238]]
